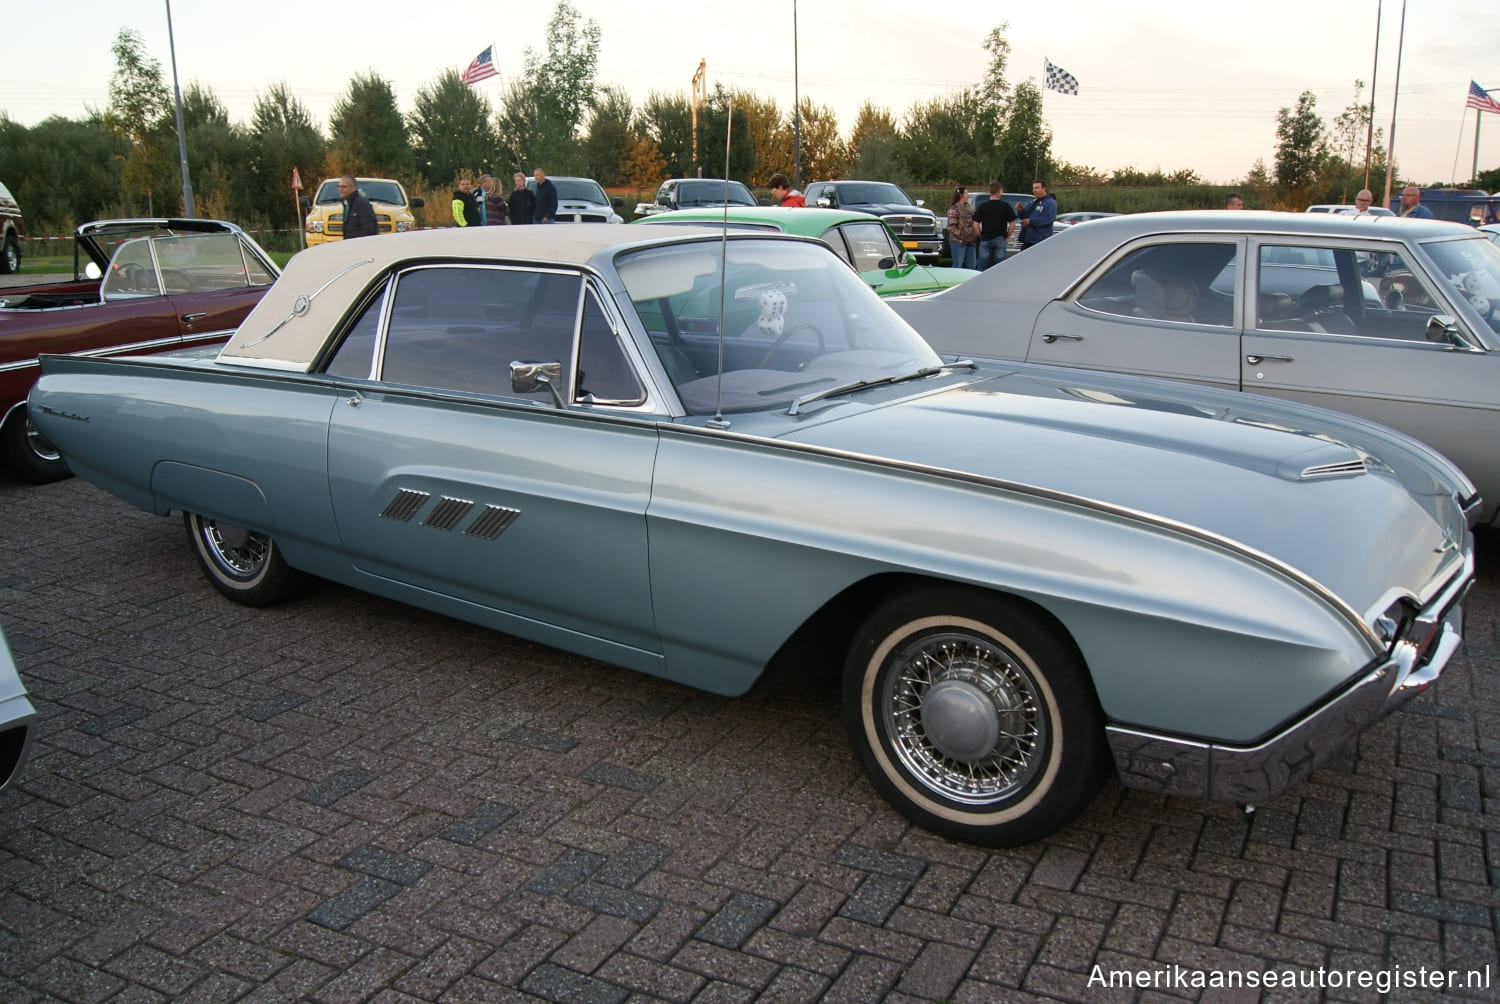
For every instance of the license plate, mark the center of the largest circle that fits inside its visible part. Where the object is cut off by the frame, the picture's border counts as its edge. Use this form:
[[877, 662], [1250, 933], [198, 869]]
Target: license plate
[[909, 245]]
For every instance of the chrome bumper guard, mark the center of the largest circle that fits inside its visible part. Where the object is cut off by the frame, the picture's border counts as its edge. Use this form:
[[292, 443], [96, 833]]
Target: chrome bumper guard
[[1248, 774]]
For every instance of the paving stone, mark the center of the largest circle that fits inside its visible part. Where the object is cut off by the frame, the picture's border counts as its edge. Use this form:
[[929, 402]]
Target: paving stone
[[736, 920], [343, 798]]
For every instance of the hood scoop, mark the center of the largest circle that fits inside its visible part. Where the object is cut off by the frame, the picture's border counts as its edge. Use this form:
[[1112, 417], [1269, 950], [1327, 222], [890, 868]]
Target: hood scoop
[[1343, 469]]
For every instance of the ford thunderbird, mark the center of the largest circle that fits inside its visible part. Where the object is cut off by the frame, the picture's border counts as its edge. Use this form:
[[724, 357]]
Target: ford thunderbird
[[138, 286], [722, 459]]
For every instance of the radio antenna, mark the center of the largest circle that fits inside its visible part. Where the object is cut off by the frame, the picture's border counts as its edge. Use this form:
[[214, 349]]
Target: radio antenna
[[717, 422]]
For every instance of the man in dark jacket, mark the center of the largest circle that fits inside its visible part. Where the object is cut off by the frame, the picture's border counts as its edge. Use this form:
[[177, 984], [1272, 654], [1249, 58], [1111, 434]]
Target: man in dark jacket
[[466, 211], [522, 201], [1036, 220], [546, 198], [359, 215]]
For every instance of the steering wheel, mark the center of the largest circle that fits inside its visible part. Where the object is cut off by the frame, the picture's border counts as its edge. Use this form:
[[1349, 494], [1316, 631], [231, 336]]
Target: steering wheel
[[788, 333], [135, 277], [1318, 302]]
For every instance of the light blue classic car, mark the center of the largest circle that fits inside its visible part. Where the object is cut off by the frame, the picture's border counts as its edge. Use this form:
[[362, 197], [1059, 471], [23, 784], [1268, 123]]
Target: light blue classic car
[[723, 460], [17, 718]]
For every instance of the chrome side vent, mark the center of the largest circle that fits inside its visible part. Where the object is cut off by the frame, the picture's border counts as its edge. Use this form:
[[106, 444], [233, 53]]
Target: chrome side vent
[[492, 522], [1344, 469], [405, 505], [447, 513]]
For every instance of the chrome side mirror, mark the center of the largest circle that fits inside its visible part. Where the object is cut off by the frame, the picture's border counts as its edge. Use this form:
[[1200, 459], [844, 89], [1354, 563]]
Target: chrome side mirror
[[1444, 329], [530, 377]]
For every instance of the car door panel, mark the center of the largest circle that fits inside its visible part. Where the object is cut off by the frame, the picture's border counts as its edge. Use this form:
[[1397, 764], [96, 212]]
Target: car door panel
[[1164, 308], [536, 514]]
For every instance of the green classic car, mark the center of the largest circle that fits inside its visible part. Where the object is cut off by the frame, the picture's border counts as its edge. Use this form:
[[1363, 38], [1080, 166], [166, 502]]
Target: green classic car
[[862, 240], [720, 458]]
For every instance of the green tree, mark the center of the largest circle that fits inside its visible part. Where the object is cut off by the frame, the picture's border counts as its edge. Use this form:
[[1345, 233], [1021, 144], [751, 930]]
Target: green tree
[[994, 92], [668, 121], [544, 111], [282, 136], [217, 151], [63, 172], [138, 107], [872, 147], [715, 129], [1025, 150], [367, 131], [1300, 148], [610, 139], [824, 154], [450, 127], [771, 139], [941, 143]]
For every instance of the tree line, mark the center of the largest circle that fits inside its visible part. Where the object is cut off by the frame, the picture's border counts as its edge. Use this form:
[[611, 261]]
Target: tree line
[[123, 160]]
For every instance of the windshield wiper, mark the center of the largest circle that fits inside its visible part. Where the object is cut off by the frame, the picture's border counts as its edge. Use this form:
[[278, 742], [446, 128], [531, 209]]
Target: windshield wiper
[[854, 385]]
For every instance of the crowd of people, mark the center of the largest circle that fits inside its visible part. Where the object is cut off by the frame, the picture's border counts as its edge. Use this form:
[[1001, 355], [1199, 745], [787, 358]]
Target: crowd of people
[[487, 205]]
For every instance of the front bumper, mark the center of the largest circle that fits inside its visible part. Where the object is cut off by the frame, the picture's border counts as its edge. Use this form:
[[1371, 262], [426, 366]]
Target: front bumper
[[1174, 765]]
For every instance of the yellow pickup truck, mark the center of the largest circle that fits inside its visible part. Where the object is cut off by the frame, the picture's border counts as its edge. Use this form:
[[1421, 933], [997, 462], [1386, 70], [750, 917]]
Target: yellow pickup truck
[[325, 210]]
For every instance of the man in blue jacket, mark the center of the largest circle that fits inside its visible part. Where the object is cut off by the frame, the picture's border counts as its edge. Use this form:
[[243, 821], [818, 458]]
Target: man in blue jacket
[[1036, 221]]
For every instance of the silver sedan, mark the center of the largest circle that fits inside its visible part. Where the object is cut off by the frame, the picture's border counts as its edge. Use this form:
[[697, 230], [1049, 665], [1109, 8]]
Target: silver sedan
[[1393, 320]]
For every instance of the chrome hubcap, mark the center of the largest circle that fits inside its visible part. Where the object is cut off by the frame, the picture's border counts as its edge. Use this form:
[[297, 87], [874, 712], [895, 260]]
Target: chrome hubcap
[[240, 552], [964, 717], [37, 443]]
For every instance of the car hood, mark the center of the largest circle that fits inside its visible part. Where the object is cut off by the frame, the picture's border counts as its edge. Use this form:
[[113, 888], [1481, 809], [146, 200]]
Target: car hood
[[888, 208], [1301, 498]]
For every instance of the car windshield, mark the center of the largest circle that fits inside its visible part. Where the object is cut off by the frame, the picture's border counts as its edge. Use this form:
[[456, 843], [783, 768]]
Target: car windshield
[[376, 191], [1472, 267], [580, 190], [873, 192], [797, 321], [713, 192]]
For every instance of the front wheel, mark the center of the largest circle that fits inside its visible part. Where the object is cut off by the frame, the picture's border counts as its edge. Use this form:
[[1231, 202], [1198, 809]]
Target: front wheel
[[10, 257], [30, 456], [244, 565], [973, 715]]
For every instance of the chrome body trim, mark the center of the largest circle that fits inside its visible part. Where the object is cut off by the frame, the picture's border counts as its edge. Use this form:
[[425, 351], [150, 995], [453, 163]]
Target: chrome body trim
[[1175, 765]]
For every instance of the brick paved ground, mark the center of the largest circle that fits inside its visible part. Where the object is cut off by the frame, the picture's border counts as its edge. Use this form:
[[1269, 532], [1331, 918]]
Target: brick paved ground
[[345, 799]]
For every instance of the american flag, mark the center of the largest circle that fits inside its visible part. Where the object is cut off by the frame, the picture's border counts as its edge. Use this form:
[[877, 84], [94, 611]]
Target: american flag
[[1059, 79], [482, 68], [1480, 98]]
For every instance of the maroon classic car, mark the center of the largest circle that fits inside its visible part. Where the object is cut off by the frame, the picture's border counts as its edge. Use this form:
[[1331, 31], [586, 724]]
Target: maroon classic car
[[139, 286]]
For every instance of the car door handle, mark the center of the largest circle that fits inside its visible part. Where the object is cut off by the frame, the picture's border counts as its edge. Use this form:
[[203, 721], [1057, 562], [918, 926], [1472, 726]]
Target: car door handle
[[1050, 338], [190, 318], [1257, 360]]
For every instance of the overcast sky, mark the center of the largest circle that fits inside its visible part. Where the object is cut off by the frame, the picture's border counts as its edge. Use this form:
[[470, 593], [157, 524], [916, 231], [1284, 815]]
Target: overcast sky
[[1169, 84]]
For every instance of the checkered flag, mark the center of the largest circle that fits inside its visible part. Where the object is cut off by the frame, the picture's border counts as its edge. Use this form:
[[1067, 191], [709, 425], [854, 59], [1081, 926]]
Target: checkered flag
[[1059, 79]]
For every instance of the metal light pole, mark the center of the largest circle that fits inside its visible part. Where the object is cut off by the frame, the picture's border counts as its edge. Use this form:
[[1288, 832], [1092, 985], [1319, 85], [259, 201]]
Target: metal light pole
[[796, 109], [1370, 119], [187, 184], [1390, 153]]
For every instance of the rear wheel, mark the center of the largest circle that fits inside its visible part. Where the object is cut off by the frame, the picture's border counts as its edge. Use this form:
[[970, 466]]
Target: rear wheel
[[973, 715], [244, 565], [28, 453], [10, 257]]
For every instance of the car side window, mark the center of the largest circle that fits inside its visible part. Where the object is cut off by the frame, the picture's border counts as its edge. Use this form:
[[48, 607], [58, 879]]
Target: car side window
[[605, 375], [869, 245], [1343, 291], [356, 352], [460, 328], [834, 238], [131, 272], [1169, 282]]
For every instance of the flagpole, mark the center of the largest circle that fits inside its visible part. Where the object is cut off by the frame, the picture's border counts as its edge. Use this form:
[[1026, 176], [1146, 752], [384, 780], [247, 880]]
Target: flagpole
[[1390, 154], [1474, 171], [1370, 119]]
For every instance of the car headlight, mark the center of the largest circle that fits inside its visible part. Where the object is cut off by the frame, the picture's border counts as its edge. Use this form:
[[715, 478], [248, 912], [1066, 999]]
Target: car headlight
[[402, 225], [315, 226]]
